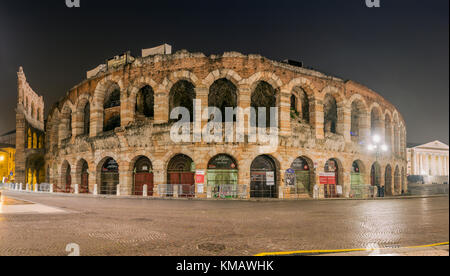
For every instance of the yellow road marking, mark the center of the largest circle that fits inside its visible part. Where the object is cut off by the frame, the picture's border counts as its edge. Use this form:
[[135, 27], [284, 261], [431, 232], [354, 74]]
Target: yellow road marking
[[342, 250]]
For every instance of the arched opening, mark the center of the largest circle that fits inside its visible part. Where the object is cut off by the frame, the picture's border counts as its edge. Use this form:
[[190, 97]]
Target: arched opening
[[34, 170], [66, 178], [388, 180], [180, 172], [263, 176], [300, 105], [357, 184], [403, 187], [111, 108], [182, 94], [84, 184], [66, 124], [87, 119], [109, 177], [304, 175], [396, 139], [264, 96], [32, 111], [397, 181], [35, 140], [223, 176], [375, 122], [223, 94], [143, 175], [330, 114], [375, 175], [29, 139], [145, 99], [331, 180], [38, 114], [357, 121], [388, 131]]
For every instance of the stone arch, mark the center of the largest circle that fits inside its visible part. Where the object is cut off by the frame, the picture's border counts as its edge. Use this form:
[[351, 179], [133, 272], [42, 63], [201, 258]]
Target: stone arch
[[304, 174], [397, 181], [83, 114], [301, 104], [177, 76], [388, 180], [66, 177], [135, 90], [101, 94], [359, 118], [334, 165], [376, 120], [182, 94], [180, 172], [142, 168], [223, 94], [264, 95], [388, 129], [107, 175], [269, 77], [218, 74], [66, 121], [330, 114], [82, 175], [264, 171]]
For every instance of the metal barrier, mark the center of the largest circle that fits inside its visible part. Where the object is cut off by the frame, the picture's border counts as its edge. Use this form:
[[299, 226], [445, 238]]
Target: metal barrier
[[176, 190], [363, 191], [228, 191]]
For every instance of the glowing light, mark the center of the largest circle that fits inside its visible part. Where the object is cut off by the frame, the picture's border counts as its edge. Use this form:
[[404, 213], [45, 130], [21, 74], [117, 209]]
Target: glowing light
[[2, 158], [376, 139], [384, 148]]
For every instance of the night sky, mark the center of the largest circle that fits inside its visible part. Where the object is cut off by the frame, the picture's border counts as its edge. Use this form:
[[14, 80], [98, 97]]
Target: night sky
[[400, 50]]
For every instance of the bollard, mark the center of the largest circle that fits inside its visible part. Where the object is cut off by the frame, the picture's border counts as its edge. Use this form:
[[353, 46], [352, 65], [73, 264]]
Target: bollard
[[145, 191], [76, 189], [36, 188], [27, 187], [95, 189], [51, 188], [175, 191], [118, 190], [281, 193]]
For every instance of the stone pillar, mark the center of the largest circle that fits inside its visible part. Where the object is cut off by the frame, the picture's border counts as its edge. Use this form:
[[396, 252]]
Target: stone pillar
[[317, 117], [127, 110], [159, 177], [284, 116], [161, 106], [77, 122], [126, 179], [347, 123]]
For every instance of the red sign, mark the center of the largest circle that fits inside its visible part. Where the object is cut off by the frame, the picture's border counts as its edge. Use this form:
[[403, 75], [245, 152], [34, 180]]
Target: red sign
[[200, 177]]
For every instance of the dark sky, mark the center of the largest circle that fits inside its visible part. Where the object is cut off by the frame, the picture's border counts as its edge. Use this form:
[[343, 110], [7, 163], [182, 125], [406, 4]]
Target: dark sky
[[400, 50]]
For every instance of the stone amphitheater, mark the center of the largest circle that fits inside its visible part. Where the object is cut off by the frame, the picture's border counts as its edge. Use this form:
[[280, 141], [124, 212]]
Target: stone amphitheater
[[110, 134]]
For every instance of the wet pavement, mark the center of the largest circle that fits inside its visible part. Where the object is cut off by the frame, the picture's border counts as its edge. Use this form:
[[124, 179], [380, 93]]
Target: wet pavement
[[110, 226]]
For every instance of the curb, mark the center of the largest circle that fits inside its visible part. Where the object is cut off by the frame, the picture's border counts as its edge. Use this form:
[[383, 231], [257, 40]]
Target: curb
[[226, 200]]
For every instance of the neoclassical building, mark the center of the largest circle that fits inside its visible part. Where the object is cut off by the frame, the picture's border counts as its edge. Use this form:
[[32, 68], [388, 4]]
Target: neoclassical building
[[110, 134], [429, 160]]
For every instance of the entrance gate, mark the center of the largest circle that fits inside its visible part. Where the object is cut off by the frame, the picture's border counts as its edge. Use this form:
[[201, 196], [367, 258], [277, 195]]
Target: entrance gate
[[84, 188], [110, 177], [330, 179], [223, 177], [302, 176], [143, 175], [263, 178], [180, 173]]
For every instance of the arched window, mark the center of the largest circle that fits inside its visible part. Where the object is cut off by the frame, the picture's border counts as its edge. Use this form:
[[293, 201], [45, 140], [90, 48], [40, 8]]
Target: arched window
[[182, 94], [264, 95], [87, 119], [145, 102], [29, 139], [223, 94], [330, 114], [375, 121], [111, 108], [300, 104]]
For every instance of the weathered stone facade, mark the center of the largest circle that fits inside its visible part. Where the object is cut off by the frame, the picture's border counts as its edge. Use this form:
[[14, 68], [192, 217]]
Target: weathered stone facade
[[320, 118]]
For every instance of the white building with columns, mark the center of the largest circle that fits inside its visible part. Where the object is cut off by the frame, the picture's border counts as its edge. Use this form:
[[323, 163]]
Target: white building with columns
[[430, 160]]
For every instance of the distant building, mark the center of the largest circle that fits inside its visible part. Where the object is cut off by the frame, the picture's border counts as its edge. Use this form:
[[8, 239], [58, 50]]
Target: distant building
[[429, 161], [8, 138], [7, 162]]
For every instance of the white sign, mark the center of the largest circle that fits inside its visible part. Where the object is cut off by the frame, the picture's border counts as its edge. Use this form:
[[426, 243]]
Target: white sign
[[339, 189], [200, 188], [270, 178]]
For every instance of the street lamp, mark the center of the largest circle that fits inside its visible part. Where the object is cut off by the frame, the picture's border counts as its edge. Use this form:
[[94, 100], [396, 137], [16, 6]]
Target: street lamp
[[378, 148]]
